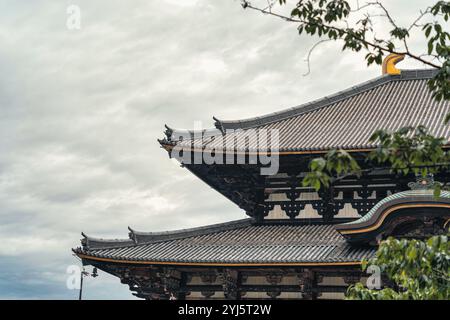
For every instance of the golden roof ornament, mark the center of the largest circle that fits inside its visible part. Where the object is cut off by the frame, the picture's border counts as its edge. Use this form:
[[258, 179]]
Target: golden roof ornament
[[389, 63]]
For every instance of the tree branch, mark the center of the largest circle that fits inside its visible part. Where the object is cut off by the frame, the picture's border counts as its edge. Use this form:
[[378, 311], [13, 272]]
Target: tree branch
[[246, 4], [310, 52]]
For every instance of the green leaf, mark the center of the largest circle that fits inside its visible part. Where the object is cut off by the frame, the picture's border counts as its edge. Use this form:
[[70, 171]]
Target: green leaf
[[430, 47], [437, 190], [447, 119]]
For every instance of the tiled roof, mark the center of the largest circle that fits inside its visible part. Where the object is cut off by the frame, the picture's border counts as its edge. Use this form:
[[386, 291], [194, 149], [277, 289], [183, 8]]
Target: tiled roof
[[231, 243], [344, 120], [405, 196], [397, 200]]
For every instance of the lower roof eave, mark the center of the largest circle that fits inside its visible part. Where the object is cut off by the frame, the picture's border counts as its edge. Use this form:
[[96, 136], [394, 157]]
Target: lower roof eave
[[220, 264], [376, 222]]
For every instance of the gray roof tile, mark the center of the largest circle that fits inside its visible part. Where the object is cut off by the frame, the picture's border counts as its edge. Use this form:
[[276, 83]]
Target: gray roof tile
[[346, 119], [241, 242]]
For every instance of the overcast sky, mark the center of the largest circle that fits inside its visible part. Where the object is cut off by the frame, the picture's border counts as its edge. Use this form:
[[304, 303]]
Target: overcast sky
[[80, 112]]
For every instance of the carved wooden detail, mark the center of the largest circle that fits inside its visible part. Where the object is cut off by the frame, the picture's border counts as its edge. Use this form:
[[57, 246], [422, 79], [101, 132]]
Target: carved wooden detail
[[207, 293], [208, 277], [274, 278], [273, 294], [230, 284], [293, 208], [306, 283]]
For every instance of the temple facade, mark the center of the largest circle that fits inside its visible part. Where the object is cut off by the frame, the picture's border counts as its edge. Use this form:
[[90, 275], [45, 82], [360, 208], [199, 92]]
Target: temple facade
[[295, 243]]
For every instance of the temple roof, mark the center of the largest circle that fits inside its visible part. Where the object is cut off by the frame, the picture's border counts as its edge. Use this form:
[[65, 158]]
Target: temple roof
[[344, 120], [406, 201], [410, 196], [238, 242]]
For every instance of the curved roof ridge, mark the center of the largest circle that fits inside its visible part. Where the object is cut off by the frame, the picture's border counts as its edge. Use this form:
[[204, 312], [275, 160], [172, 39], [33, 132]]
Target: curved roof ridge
[[290, 244], [420, 193], [100, 243], [411, 74], [140, 237], [176, 135], [372, 221]]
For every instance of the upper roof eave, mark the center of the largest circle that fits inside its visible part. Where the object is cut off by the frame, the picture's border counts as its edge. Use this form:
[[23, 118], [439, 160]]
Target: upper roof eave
[[323, 102]]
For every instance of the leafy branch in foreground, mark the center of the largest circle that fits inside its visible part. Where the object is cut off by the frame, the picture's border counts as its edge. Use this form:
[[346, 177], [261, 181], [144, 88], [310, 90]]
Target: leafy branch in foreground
[[356, 27], [332, 20], [335, 163], [408, 150], [419, 269]]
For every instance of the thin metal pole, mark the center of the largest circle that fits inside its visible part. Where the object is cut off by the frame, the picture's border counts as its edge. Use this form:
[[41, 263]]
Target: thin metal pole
[[81, 286]]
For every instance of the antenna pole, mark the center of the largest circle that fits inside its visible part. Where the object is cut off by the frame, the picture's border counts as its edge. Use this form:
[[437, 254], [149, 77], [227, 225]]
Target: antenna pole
[[81, 285]]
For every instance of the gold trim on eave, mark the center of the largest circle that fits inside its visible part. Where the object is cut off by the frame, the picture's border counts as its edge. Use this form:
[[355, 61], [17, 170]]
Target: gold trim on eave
[[169, 148], [387, 212], [213, 264]]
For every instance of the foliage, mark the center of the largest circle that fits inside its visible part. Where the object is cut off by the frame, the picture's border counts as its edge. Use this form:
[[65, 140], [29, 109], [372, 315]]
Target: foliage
[[332, 20], [439, 47], [408, 150], [335, 162], [419, 269], [411, 150]]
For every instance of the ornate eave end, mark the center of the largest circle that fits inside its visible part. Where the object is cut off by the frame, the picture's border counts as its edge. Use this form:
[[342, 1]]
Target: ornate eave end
[[168, 132], [388, 66], [430, 214], [219, 125], [168, 135], [167, 142], [132, 235], [84, 241]]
